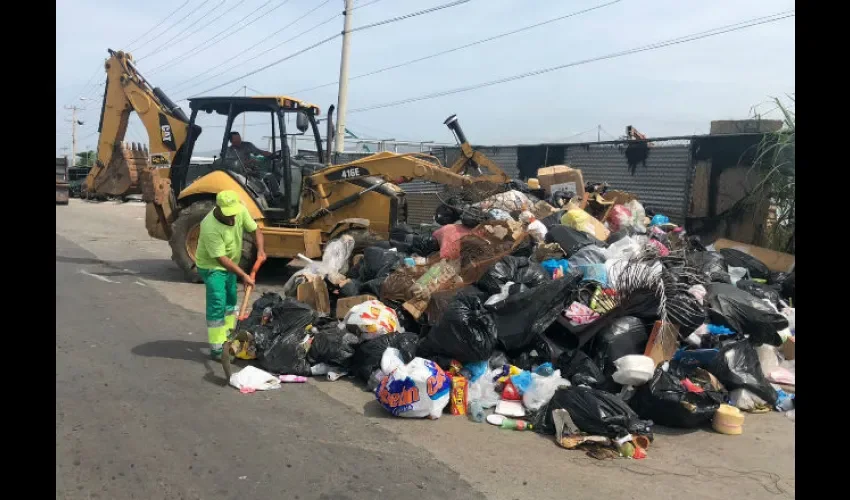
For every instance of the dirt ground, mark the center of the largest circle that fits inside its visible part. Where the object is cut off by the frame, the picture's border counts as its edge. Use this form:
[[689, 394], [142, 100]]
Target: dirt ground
[[498, 464]]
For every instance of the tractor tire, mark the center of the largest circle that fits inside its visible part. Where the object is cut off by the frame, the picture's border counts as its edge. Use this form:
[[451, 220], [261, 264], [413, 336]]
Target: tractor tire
[[184, 240]]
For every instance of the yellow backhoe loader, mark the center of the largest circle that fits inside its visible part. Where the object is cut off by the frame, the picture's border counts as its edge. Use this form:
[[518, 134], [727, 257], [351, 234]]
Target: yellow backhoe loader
[[298, 205]]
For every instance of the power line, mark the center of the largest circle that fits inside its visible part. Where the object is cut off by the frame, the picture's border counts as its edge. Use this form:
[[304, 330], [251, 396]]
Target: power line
[[412, 14], [166, 18], [206, 44], [265, 39], [364, 5], [328, 39], [658, 45], [461, 47], [195, 22], [187, 16]]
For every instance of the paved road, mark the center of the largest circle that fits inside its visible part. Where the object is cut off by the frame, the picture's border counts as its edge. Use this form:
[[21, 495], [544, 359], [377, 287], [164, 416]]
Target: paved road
[[140, 413]]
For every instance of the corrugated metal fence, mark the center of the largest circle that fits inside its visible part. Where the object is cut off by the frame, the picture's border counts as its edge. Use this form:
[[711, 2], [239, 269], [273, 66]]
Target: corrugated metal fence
[[663, 183]]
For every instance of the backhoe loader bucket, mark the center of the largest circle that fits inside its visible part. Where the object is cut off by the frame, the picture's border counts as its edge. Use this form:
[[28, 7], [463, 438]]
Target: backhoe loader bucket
[[121, 176]]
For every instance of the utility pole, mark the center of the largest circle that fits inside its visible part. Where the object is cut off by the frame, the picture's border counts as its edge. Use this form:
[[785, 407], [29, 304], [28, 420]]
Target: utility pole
[[342, 103], [245, 88], [73, 133], [598, 131]]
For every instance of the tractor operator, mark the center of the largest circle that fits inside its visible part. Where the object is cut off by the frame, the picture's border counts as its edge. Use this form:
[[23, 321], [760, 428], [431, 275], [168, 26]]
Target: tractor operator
[[217, 258], [241, 151]]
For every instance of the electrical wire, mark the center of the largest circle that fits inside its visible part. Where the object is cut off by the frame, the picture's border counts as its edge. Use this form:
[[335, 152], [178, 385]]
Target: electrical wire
[[684, 39], [328, 39], [364, 5], [412, 14], [465, 46], [212, 41], [187, 16], [166, 18], [265, 39], [187, 28]]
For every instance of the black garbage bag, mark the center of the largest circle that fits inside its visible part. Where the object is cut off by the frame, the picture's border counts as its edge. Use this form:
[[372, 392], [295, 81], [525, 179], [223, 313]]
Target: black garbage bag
[[424, 245], [466, 332], [351, 288], [407, 343], [623, 336], [742, 312], [737, 258], [534, 355], [517, 269], [472, 217], [712, 264], [268, 299], [367, 355], [665, 401], [777, 278], [291, 317], [561, 198], [286, 354], [761, 291], [579, 369], [789, 288], [379, 263], [737, 367], [332, 346], [446, 214], [523, 316], [685, 310], [553, 219], [594, 412], [571, 240]]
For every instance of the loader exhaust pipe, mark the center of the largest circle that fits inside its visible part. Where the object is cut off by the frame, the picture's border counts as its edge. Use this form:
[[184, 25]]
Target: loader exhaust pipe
[[454, 126], [329, 134]]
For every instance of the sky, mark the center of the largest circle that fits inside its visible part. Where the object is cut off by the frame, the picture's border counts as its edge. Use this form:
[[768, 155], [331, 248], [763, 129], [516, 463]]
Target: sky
[[676, 90]]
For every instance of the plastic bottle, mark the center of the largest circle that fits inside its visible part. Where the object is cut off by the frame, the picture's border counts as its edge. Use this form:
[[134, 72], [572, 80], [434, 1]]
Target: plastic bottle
[[517, 425], [293, 379], [476, 411]]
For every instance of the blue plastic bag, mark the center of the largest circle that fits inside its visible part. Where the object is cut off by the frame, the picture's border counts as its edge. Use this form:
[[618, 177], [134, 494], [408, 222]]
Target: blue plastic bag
[[473, 371], [522, 381], [595, 272], [659, 220], [551, 265]]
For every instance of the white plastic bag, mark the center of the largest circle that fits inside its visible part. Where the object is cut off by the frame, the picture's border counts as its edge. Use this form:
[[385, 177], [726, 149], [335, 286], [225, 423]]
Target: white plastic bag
[[417, 389], [633, 370], [737, 273], [502, 295], [373, 319], [624, 248], [768, 358], [251, 378], [538, 231], [745, 400], [483, 390], [542, 389], [638, 215], [334, 263]]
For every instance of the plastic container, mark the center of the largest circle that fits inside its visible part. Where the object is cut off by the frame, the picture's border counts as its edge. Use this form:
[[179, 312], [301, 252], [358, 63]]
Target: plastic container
[[728, 420]]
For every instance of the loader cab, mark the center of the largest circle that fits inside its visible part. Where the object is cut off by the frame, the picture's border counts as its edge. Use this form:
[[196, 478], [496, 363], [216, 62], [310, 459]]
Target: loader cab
[[270, 124]]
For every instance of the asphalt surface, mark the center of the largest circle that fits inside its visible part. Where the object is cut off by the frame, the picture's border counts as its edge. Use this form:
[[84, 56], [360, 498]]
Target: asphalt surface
[[141, 413]]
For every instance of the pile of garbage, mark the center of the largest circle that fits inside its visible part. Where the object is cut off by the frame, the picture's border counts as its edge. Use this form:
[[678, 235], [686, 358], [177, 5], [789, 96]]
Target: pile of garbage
[[589, 318]]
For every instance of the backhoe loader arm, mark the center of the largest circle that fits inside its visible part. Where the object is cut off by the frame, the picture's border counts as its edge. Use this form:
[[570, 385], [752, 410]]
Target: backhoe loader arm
[[392, 167], [165, 123]]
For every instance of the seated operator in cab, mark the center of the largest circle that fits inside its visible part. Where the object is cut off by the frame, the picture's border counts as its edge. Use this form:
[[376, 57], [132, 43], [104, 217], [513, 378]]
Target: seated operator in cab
[[242, 151]]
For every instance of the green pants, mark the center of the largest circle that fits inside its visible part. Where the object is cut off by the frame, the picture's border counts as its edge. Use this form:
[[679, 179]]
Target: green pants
[[221, 305]]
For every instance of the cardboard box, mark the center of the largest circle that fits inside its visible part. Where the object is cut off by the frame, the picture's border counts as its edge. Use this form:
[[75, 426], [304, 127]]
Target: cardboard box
[[345, 304], [789, 349], [561, 177], [314, 292], [662, 343], [775, 261]]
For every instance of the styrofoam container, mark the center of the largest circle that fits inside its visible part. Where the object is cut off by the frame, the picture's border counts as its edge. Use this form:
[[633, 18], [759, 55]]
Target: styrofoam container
[[634, 370]]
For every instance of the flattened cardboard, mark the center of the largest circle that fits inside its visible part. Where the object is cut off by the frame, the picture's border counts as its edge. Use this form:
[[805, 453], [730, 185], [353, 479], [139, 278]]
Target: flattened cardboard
[[345, 304], [775, 261]]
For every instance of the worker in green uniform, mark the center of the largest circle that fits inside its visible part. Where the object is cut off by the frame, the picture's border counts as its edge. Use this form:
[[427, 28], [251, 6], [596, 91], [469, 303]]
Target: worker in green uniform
[[217, 259]]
